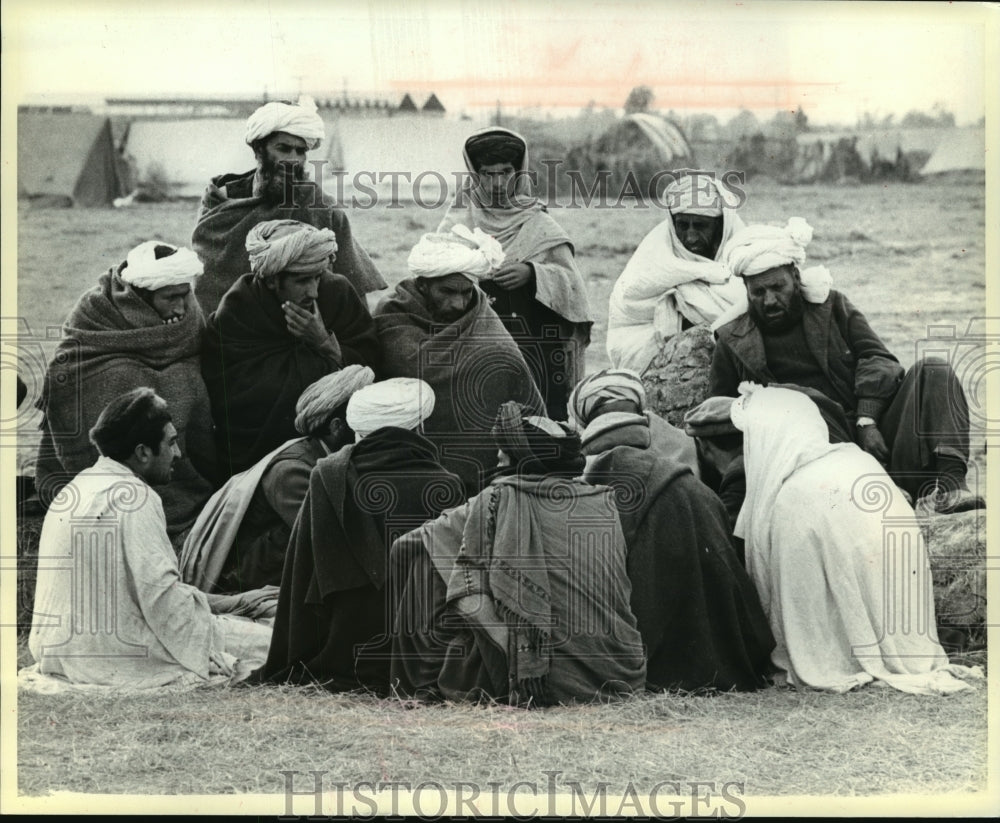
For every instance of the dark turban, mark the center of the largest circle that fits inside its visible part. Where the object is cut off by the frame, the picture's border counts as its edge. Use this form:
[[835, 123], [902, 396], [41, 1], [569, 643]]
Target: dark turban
[[537, 445]]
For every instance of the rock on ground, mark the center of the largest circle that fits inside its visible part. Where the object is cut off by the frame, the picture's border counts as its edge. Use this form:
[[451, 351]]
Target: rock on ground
[[677, 378]]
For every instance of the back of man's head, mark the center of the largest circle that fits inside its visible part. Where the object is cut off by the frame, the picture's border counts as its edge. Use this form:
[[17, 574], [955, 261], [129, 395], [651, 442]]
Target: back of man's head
[[137, 417]]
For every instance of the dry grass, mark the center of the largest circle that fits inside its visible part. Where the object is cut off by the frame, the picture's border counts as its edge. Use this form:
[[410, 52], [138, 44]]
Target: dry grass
[[776, 742]]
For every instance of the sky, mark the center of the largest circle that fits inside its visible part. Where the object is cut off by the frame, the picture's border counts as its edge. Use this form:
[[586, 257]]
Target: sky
[[836, 60]]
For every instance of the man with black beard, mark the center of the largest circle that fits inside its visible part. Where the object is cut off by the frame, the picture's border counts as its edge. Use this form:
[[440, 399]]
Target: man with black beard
[[277, 188], [811, 337]]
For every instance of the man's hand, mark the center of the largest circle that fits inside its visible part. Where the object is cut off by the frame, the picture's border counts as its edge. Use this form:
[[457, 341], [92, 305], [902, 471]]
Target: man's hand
[[308, 327], [513, 276], [217, 664], [870, 439], [262, 602]]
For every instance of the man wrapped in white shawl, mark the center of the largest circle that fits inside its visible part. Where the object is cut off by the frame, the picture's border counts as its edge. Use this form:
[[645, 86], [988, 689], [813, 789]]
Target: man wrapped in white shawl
[[665, 283], [847, 605]]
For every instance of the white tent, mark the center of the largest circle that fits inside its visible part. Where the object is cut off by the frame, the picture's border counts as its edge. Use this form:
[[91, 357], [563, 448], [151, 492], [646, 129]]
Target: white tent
[[959, 150]]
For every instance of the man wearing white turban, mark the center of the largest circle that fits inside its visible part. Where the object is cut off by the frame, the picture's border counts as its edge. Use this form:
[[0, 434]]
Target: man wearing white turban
[[278, 187], [798, 331], [338, 598], [438, 326], [141, 325], [676, 277], [238, 541], [278, 329]]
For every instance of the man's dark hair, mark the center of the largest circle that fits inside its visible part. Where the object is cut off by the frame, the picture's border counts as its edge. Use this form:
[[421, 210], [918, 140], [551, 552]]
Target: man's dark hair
[[139, 416]]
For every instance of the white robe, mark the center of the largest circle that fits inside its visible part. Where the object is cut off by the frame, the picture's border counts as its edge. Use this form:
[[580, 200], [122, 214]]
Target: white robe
[[110, 607]]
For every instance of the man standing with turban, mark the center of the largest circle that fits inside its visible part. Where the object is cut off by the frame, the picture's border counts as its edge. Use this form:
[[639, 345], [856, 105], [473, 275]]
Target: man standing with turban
[[697, 610], [139, 326], [799, 331], [538, 292], [438, 326], [676, 278], [337, 599], [278, 188], [521, 594], [238, 541], [283, 326]]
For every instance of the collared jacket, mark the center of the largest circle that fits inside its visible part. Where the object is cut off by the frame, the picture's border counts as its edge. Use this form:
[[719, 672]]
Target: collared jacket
[[865, 374]]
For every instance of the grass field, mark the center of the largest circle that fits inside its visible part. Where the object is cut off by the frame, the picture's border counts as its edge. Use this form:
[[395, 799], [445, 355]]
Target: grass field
[[909, 256]]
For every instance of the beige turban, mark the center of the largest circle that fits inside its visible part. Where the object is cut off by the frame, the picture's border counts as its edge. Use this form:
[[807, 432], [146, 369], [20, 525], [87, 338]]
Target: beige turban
[[698, 194], [404, 402], [301, 121], [142, 269], [288, 246], [322, 398], [604, 387], [460, 251], [757, 249]]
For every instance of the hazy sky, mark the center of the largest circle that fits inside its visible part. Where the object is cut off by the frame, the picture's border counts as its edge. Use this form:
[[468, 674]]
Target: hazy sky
[[836, 60]]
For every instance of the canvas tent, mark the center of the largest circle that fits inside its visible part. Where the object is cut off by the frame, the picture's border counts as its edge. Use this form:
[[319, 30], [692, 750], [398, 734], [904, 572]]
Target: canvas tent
[[68, 159], [421, 154], [183, 155], [959, 150]]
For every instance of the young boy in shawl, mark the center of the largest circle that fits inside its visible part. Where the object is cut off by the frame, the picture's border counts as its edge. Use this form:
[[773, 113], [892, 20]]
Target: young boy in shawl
[[110, 607], [676, 278], [336, 597], [522, 593], [697, 610], [139, 326], [439, 327], [279, 328], [239, 540], [538, 291], [824, 527], [277, 188], [799, 331]]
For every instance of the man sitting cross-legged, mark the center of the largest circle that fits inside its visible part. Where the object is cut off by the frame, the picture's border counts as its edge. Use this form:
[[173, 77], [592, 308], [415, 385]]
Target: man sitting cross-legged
[[110, 606], [696, 608], [238, 541], [278, 329]]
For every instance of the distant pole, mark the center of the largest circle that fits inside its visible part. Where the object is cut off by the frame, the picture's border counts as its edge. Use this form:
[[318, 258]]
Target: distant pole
[[498, 114]]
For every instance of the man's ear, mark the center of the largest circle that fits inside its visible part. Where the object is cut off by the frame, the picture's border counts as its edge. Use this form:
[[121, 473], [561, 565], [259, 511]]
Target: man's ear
[[142, 453], [271, 283], [795, 274]]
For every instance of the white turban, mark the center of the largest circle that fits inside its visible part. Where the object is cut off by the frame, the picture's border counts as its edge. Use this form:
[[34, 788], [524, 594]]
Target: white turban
[[404, 402], [300, 120], [699, 194], [603, 387], [288, 245], [461, 251], [142, 269], [757, 249], [320, 399]]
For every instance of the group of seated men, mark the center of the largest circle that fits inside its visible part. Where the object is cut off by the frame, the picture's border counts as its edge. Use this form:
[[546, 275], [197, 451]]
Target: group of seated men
[[430, 497]]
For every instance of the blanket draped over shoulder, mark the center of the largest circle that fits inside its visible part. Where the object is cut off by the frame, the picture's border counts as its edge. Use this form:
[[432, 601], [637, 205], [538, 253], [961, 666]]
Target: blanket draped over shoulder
[[664, 285], [255, 369], [334, 605], [532, 574], [227, 213], [699, 615], [113, 341], [473, 365]]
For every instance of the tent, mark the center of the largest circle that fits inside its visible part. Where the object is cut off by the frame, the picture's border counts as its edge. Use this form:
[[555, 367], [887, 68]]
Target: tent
[[68, 159], [418, 154], [179, 157], [960, 150]]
